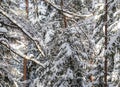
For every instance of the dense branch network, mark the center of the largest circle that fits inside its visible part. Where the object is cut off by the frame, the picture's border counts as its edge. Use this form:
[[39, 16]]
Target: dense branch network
[[67, 13], [22, 24]]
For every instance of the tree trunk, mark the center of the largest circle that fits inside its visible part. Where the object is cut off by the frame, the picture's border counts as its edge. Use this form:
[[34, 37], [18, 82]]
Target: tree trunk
[[64, 17], [27, 5], [25, 60], [105, 63]]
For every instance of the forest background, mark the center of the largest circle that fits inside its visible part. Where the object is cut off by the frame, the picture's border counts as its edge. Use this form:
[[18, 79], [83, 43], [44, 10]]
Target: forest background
[[59, 43]]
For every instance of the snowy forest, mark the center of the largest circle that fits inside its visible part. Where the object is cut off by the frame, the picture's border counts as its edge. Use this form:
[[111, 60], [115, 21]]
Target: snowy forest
[[59, 43]]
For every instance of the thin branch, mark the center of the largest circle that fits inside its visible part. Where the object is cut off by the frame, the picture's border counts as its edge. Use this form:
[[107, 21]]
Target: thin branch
[[39, 48], [9, 25], [19, 53]]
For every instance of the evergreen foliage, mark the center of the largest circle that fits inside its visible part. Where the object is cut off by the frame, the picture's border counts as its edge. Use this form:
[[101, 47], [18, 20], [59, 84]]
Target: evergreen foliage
[[59, 55]]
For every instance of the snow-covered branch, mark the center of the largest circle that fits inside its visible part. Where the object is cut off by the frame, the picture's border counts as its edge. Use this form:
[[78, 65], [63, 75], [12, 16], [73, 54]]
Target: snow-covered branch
[[19, 53], [24, 25], [68, 13]]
